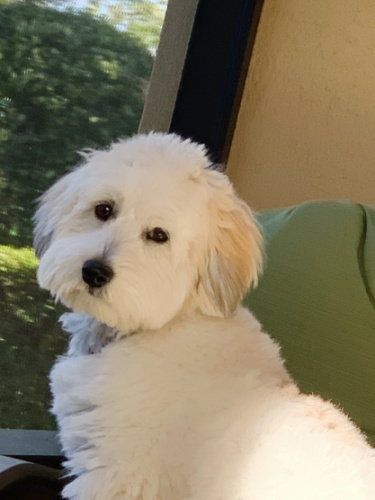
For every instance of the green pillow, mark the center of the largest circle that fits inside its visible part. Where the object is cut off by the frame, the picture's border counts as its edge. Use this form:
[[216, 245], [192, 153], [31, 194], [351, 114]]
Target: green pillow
[[316, 298]]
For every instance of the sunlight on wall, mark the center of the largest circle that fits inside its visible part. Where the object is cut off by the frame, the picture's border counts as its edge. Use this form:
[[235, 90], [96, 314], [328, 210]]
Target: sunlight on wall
[[306, 127]]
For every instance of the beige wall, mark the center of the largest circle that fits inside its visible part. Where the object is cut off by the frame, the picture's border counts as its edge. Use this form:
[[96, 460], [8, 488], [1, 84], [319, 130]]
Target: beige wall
[[306, 127]]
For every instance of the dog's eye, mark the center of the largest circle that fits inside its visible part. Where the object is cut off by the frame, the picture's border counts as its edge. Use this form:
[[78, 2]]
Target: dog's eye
[[157, 235], [103, 211]]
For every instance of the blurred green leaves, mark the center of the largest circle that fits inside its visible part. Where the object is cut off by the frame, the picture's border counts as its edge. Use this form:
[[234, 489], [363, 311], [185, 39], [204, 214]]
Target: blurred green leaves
[[67, 81]]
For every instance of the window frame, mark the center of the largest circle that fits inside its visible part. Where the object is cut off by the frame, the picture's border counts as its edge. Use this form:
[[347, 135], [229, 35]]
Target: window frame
[[214, 72]]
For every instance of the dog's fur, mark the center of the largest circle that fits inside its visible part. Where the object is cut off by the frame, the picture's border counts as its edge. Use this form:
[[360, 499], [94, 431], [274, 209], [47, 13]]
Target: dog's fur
[[170, 390]]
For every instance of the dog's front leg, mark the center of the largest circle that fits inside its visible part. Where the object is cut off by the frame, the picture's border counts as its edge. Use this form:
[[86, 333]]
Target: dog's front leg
[[88, 336]]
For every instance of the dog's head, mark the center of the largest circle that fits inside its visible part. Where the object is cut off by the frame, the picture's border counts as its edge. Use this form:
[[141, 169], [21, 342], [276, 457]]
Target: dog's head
[[143, 231]]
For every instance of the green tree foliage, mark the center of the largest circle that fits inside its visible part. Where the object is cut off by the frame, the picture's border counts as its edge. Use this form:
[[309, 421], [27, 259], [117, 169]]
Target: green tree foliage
[[67, 81], [142, 19]]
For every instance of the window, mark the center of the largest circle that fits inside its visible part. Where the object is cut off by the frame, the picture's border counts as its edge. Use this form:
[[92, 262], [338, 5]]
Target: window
[[75, 74]]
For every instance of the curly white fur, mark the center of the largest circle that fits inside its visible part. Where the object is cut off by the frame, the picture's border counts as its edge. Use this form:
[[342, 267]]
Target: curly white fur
[[170, 390]]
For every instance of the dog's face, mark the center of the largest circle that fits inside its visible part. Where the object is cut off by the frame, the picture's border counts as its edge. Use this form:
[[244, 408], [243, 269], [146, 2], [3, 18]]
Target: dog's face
[[144, 231]]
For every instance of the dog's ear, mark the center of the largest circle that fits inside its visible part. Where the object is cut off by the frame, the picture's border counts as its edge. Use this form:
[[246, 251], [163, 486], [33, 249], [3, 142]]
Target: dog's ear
[[45, 216], [234, 257]]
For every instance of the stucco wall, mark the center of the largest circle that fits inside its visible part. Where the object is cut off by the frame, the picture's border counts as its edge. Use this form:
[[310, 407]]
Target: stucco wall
[[306, 127]]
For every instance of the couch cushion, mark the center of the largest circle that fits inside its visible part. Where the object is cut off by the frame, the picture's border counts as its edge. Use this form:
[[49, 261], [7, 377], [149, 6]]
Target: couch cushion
[[316, 298]]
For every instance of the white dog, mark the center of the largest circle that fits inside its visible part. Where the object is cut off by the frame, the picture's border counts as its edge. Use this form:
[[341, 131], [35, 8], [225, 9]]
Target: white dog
[[170, 390]]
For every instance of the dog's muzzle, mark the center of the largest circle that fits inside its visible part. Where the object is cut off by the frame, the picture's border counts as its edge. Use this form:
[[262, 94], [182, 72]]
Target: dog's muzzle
[[96, 274]]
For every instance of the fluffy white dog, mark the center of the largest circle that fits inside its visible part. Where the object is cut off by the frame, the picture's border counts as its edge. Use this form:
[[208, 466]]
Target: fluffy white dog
[[170, 390]]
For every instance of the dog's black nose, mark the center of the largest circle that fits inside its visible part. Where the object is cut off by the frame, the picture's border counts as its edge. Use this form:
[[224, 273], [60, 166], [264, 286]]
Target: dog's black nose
[[96, 274]]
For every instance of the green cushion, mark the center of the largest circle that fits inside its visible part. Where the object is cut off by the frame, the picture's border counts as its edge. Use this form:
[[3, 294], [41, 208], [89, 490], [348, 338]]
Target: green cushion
[[316, 298]]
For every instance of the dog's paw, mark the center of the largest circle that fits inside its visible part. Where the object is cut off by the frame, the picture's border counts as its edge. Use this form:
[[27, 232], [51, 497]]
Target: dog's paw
[[88, 336]]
